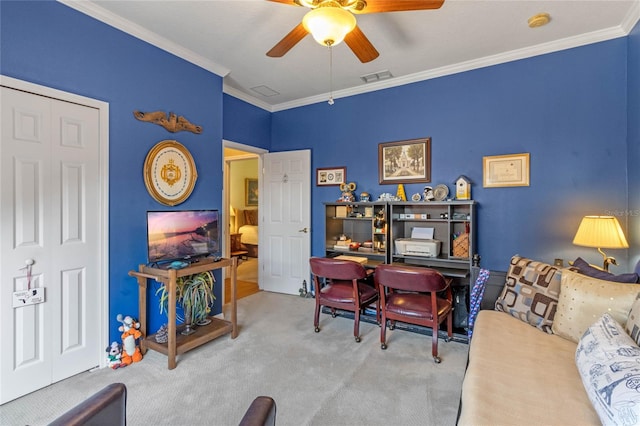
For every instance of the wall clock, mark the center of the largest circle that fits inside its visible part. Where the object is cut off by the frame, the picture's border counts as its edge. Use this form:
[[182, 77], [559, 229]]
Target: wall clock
[[169, 172]]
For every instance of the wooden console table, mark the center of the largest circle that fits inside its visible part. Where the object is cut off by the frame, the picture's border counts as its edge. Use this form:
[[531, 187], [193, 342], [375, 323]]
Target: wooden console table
[[178, 343]]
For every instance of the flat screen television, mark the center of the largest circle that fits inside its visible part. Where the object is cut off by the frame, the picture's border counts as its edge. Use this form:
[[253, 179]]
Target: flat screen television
[[182, 235]]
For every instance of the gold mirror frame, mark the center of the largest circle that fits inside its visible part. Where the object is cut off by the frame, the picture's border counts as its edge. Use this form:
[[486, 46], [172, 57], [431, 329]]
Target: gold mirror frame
[[169, 172]]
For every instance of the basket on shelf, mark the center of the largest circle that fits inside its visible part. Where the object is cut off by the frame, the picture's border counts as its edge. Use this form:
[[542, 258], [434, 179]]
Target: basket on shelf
[[461, 246]]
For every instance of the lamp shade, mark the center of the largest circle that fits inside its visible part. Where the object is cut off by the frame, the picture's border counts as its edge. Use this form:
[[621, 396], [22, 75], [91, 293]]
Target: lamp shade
[[329, 25], [600, 232]]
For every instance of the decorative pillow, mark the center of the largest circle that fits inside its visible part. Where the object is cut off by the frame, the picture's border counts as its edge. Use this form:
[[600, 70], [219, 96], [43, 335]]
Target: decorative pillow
[[632, 327], [531, 292], [609, 364], [251, 217], [584, 299], [586, 269]]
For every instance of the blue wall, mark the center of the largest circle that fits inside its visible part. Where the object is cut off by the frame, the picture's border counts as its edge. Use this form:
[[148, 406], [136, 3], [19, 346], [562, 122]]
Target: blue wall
[[47, 43], [567, 109], [633, 117], [245, 123]]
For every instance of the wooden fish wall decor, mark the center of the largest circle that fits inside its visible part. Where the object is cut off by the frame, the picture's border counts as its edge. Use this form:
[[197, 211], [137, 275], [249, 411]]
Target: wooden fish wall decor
[[172, 123]]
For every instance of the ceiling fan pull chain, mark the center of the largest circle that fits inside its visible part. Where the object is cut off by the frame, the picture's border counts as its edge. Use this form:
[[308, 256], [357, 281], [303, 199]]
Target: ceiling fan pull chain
[[330, 102]]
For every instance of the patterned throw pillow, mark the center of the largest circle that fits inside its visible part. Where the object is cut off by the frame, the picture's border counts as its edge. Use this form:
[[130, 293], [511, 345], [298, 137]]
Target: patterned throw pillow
[[584, 299], [531, 292], [609, 364], [632, 326]]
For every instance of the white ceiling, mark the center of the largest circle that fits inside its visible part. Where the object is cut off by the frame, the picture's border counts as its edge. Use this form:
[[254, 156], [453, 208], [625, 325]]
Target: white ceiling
[[231, 38]]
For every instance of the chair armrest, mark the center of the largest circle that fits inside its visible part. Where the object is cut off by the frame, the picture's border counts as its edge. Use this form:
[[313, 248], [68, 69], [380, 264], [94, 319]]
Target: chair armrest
[[261, 412], [107, 406]]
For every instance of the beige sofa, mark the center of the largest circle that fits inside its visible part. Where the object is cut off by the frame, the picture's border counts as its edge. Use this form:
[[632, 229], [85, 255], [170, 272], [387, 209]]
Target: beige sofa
[[522, 364]]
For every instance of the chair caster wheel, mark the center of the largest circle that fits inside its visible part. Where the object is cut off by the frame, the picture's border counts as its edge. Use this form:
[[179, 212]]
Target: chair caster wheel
[[383, 346], [358, 339], [437, 359], [447, 339], [333, 314], [391, 327], [317, 329]]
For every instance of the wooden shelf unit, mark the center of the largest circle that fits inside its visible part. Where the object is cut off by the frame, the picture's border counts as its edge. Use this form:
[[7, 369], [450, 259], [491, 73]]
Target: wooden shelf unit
[[178, 343]]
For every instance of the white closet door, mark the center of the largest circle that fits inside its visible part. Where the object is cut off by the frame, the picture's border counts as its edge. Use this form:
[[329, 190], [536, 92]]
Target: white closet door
[[49, 210]]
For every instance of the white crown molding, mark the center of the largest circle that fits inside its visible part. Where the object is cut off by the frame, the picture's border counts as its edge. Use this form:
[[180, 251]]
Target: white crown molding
[[103, 15], [232, 91], [632, 18], [129, 27], [514, 55]]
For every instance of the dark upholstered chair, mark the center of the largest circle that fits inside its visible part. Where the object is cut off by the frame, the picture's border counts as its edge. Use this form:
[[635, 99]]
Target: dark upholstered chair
[[409, 294], [339, 284], [261, 412], [106, 407]]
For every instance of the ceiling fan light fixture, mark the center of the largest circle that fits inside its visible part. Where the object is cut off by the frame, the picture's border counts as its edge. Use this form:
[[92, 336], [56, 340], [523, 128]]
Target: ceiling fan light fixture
[[329, 24]]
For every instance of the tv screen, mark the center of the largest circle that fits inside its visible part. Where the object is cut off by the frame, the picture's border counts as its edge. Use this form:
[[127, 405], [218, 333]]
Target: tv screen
[[182, 235]]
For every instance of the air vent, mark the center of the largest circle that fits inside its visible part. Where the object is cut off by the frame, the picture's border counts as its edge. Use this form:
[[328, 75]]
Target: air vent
[[376, 76], [265, 91]]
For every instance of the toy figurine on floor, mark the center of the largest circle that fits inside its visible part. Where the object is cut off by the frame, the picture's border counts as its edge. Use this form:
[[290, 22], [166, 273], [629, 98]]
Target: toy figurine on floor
[[130, 334], [114, 355]]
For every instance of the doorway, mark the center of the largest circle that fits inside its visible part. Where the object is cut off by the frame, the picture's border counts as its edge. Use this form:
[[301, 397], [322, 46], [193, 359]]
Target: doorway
[[242, 165]]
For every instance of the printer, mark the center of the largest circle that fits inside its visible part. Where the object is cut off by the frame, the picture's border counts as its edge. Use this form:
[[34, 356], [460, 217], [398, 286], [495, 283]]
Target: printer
[[421, 243]]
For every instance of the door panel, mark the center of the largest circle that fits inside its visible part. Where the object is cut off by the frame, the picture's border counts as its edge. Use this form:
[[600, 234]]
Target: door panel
[[49, 182], [287, 198]]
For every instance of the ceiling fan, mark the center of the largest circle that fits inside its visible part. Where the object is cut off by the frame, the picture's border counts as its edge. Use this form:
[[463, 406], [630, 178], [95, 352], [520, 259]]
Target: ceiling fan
[[331, 21]]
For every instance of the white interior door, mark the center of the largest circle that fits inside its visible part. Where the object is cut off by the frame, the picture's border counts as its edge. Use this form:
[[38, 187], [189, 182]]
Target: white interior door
[[285, 210], [50, 213]]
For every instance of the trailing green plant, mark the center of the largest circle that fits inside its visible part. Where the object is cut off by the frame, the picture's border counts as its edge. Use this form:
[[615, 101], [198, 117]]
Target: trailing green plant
[[194, 293]]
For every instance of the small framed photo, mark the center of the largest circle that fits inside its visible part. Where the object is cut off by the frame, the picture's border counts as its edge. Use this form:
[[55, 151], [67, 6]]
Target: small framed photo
[[251, 192], [331, 176], [505, 170], [404, 161]]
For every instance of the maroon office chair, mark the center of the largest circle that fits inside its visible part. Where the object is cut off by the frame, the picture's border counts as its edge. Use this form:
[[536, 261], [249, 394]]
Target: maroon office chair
[[409, 294], [339, 284]]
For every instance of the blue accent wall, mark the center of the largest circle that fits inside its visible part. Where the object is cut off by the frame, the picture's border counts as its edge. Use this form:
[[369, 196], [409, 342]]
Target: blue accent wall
[[47, 43], [245, 123], [633, 136], [567, 109]]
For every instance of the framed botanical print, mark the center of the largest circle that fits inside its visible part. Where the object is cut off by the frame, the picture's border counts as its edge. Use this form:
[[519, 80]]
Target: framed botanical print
[[331, 176], [406, 161], [169, 172], [251, 192]]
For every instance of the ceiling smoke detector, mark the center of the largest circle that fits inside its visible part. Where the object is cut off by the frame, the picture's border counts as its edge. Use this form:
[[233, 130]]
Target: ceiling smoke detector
[[539, 20]]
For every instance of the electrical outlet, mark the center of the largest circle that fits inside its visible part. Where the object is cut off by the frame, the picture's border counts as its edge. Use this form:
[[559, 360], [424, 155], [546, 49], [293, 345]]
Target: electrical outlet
[[28, 297]]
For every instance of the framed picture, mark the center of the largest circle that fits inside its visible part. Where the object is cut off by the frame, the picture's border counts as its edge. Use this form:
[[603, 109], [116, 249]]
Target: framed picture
[[405, 161], [331, 176], [251, 192], [505, 170], [169, 172]]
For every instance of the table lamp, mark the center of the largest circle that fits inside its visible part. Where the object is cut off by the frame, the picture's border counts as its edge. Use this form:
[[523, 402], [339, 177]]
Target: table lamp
[[601, 232]]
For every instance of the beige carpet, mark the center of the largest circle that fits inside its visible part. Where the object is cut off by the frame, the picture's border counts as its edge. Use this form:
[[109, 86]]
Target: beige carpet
[[321, 378], [248, 270]]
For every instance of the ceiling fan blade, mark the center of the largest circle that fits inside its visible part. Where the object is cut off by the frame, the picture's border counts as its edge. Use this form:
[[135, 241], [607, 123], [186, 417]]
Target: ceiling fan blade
[[291, 2], [361, 45], [377, 6], [290, 40]]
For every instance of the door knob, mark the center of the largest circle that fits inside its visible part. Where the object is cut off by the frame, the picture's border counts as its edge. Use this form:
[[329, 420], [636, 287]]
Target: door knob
[[305, 230]]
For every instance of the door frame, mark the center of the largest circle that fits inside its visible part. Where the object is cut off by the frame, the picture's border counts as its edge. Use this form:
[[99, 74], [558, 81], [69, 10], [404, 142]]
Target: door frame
[[103, 208], [226, 204]]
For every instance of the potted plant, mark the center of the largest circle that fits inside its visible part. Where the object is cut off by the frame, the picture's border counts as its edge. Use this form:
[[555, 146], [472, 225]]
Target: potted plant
[[194, 293]]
